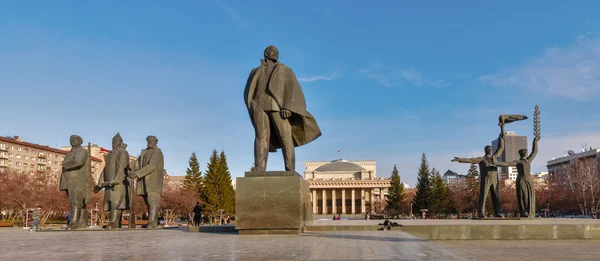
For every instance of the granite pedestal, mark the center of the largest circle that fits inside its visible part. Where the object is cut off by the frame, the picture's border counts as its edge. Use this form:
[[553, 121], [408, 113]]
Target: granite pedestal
[[272, 202]]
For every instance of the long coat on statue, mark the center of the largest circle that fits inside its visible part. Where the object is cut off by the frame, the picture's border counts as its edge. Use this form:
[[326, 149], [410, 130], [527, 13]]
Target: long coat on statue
[[150, 168], [76, 175], [285, 89], [117, 163]]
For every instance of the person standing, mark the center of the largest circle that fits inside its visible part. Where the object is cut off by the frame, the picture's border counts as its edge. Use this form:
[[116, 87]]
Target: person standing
[[197, 214], [36, 219]]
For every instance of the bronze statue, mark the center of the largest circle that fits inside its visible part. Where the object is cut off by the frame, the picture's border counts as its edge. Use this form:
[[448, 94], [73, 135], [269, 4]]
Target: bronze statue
[[76, 181], [277, 109], [149, 169], [114, 181], [525, 184], [489, 175]]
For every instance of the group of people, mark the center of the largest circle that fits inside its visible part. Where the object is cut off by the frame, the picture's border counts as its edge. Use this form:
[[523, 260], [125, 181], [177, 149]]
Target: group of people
[[338, 217]]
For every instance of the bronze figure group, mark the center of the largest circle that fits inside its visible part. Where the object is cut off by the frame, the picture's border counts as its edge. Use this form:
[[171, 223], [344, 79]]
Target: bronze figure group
[[488, 167], [116, 180]]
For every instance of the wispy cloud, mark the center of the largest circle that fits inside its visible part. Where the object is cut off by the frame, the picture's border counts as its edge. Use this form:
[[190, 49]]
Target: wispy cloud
[[572, 71], [392, 77], [319, 77], [235, 17]]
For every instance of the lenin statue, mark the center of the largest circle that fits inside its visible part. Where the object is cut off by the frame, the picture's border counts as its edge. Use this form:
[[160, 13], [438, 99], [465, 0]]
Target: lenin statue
[[277, 109], [114, 181], [149, 172], [76, 181]]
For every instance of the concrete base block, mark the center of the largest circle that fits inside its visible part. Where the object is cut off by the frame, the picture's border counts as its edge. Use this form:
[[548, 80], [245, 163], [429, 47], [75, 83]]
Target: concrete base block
[[272, 202]]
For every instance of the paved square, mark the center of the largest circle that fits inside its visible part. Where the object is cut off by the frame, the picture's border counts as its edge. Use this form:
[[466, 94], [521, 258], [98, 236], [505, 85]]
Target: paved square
[[178, 244]]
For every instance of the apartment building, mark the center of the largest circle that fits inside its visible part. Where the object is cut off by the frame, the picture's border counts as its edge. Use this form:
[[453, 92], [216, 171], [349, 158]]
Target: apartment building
[[26, 157]]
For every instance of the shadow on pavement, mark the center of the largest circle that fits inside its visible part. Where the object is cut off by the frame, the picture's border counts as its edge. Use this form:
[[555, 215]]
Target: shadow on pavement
[[363, 237]]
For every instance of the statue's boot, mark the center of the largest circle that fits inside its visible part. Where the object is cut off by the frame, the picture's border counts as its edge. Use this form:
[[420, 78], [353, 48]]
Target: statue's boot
[[74, 224], [83, 217], [153, 216], [118, 217], [111, 221]]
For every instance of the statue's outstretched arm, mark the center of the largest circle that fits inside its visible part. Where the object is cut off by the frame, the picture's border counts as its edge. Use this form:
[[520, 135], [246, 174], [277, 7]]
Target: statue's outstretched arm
[[467, 160], [506, 164], [500, 149]]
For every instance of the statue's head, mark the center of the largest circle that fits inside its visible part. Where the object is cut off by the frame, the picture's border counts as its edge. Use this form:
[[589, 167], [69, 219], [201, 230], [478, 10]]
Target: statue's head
[[152, 141], [271, 53], [117, 141], [523, 153], [488, 150], [75, 141]]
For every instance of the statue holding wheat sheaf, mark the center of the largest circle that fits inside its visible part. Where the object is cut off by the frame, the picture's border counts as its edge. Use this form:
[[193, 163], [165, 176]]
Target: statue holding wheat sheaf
[[524, 182]]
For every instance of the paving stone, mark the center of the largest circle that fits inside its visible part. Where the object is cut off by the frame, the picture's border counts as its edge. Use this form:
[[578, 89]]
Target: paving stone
[[178, 244]]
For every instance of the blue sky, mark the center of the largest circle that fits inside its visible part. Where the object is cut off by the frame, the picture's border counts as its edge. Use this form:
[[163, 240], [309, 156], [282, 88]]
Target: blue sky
[[385, 80]]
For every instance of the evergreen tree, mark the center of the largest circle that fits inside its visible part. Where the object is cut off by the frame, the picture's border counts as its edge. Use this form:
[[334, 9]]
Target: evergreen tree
[[472, 187], [421, 199], [439, 194], [218, 193], [227, 188], [211, 190], [395, 196], [193, 176]]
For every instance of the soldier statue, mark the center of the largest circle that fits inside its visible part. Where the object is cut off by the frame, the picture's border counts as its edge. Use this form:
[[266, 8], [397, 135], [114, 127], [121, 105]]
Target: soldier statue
[[277, 109], [76, 181], [148, 169], [114, 181]]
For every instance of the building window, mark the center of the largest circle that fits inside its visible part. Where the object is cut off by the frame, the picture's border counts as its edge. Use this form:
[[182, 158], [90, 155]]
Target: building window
[[25, 165], [18, 148], [32, 151], [18, 156], [10, 155], [18, 164]]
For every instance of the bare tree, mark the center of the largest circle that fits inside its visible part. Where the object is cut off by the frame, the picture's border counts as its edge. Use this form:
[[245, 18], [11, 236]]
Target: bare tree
[[583, 183]]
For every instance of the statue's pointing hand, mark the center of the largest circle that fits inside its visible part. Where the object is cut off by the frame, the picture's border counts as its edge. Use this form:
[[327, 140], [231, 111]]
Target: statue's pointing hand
[[285, 113], [454, 160]]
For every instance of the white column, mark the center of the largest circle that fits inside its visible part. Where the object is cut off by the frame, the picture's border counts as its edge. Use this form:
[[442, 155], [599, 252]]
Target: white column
[[333, 206], [324, 202], [362, 201], [315, 201], [353, 198], [343, 201]]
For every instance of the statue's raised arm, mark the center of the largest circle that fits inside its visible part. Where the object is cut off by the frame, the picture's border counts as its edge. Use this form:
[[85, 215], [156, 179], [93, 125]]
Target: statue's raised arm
[[500, 149]]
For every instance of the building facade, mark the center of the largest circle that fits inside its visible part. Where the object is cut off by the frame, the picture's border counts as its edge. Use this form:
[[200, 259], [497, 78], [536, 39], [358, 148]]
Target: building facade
[[26, 157], [452, 178], [512, 144], [558, 167], [345, 187]]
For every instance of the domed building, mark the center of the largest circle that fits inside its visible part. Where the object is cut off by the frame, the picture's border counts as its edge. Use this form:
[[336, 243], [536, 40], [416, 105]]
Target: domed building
[[345, 187]]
